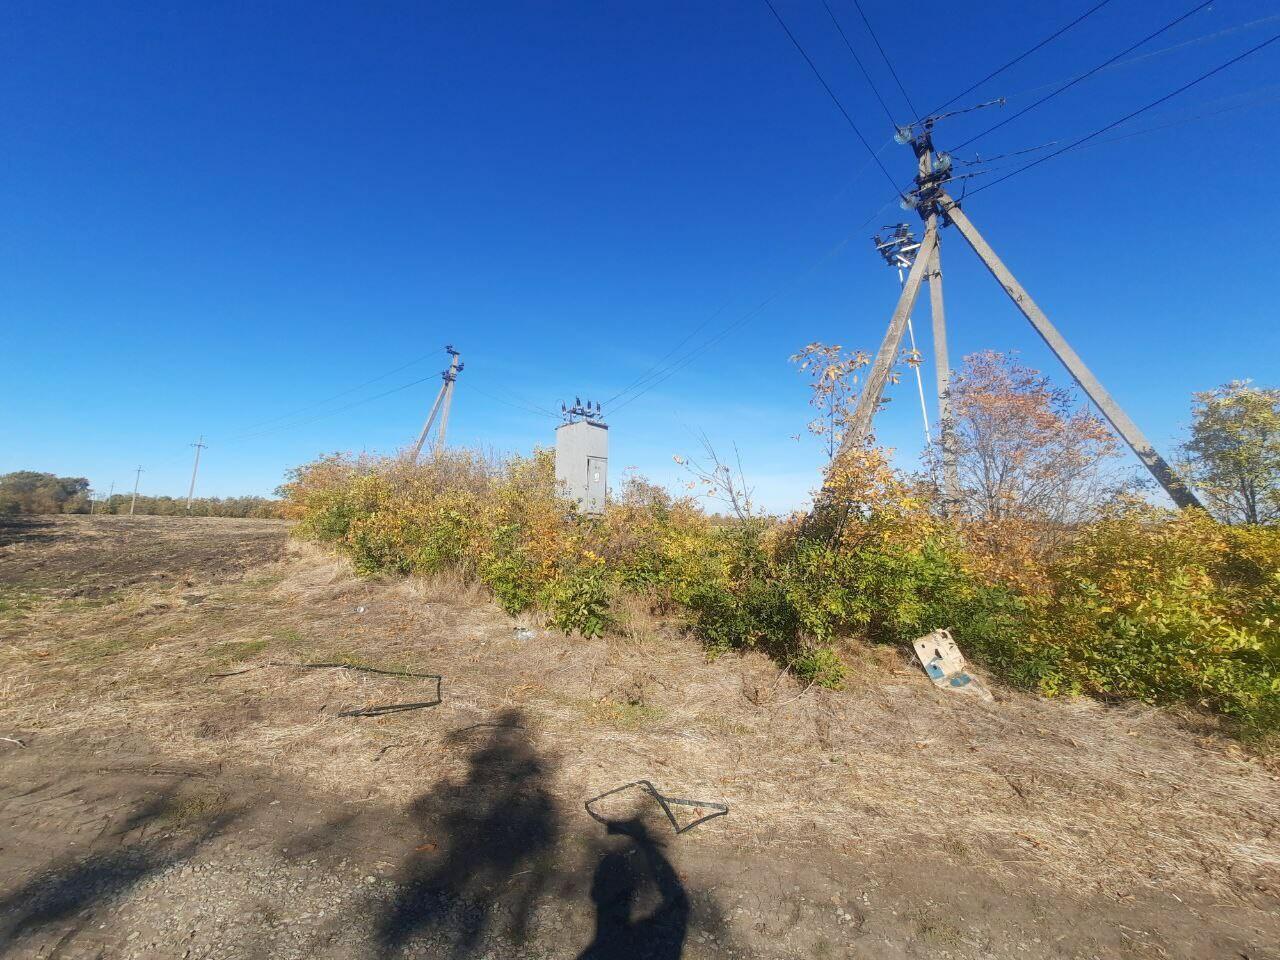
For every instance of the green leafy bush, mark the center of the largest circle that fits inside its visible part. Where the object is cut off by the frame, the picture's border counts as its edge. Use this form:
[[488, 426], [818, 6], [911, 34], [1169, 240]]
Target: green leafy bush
[[1158, 607], [579, 602]]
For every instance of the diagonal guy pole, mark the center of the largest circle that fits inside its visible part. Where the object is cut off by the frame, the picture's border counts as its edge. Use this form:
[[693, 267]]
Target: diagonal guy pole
[[1178, 491], [859, 427], [426, 427]]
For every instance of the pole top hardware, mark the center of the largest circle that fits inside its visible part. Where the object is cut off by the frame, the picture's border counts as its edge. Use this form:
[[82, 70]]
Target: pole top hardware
[[450, 373], [590, 412], [907, 132], [899, 248], [935, 166]]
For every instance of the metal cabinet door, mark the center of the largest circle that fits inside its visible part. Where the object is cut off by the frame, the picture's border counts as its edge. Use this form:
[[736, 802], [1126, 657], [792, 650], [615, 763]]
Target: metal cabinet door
[[597, 483]]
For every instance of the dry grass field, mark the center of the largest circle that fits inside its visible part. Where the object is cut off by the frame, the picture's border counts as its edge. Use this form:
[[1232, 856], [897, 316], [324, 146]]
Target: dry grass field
[[186, 786]]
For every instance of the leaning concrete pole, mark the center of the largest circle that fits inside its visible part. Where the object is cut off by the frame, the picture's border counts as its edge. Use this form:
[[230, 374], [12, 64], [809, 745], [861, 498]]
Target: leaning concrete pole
[[136, 478], [426, 427], [859, 427], [191, 490], [1178, 491]]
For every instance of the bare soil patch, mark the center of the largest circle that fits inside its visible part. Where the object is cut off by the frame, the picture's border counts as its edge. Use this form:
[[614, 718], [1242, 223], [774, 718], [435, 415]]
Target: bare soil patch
[[186, 780]]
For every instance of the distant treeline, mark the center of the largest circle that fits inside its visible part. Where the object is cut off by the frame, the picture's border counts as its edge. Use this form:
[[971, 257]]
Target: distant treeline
[[31, 492]]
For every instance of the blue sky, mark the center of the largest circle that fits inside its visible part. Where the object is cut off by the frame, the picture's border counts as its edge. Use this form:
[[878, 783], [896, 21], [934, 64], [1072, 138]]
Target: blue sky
[[219, 215]]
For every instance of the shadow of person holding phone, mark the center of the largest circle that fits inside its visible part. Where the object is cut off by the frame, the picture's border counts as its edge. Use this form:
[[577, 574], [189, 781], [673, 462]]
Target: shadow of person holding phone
[[642, 909]]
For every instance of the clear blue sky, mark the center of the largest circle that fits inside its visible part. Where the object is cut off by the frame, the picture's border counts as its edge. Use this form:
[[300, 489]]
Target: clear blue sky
[[215, 215]]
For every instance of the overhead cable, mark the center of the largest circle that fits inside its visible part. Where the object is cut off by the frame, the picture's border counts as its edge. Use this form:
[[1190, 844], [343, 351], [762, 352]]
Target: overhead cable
[[672, 369], [827, 87], [1180, 45], [858, 60], [342, 393], [887, 62], [660, 367], [336, 410], [1020, 57], [1084, 76], [1141, 110]]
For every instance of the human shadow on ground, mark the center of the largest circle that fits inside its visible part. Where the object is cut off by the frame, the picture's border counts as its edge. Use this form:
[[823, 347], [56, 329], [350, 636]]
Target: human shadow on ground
[[486, 855], [642, 909], [74, 886]]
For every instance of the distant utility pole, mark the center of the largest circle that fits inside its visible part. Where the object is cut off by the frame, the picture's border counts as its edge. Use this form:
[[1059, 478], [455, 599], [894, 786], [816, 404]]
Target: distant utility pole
[[443, 398], [134, 502], [110, 493], [191, 490]]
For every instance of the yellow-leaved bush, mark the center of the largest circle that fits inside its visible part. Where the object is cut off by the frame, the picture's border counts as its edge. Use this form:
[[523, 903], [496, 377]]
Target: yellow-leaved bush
[[1162, 607]]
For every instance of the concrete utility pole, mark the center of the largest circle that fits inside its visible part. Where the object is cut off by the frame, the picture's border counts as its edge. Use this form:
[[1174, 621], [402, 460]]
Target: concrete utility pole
[[134, 502], [942, 369], [191, 490], [1119, 420], [935, 208], [444, 414], [443, 398]]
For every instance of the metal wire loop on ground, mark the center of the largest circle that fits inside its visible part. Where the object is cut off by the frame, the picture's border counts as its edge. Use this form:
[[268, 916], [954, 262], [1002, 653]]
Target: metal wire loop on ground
[[375, 711], [717, 809]]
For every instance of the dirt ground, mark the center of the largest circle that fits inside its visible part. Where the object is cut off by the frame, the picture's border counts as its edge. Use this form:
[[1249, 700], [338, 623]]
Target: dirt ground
[[179, 784]]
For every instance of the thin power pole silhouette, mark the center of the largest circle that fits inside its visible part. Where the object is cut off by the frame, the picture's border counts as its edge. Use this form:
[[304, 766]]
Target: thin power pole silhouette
[[191, 490], [134, 502], [443, 399], [937, 208]]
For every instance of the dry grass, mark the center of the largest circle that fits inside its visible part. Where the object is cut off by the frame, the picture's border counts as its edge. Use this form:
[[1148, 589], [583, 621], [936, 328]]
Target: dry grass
[[1090, 796]]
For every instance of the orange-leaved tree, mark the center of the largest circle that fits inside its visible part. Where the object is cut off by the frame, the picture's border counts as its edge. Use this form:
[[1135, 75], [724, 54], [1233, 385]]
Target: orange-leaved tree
[[1025, 449], [1033, 465]]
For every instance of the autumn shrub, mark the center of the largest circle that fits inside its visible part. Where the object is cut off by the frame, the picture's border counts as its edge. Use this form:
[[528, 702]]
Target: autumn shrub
[[1168, 608], [1164, 608]]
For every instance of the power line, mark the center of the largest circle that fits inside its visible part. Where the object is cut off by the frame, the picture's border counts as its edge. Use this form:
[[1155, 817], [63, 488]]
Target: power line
[[342, 409], [1180, 45], [660, 366], [661, 373], [1130, 116], [1196, 113], [733, 325], [827, 87], [515, 403], [1084, 76], [1180, 121], [858, 60], [1020, 57], [1005, 156], [887, 62], [341, 393]]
